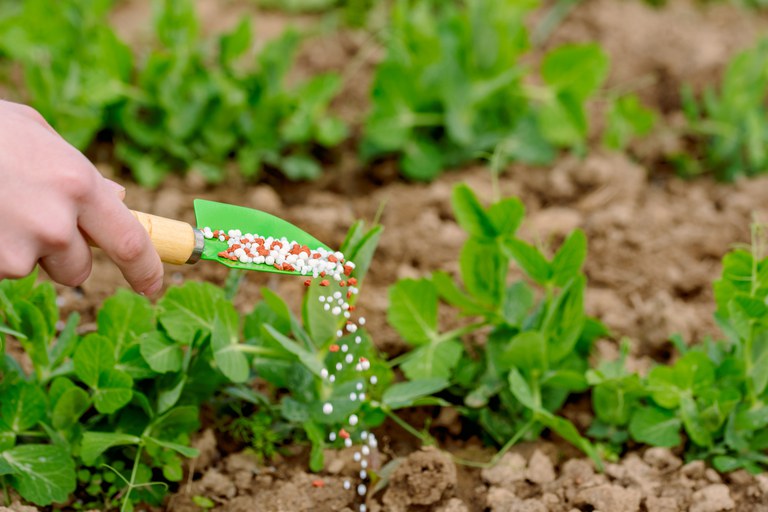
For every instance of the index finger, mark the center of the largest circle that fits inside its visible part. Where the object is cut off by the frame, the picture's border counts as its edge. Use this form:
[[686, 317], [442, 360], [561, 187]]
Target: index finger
[[112, 227]]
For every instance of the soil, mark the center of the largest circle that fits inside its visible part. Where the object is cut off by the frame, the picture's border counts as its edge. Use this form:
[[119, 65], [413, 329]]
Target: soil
[[655, 243]]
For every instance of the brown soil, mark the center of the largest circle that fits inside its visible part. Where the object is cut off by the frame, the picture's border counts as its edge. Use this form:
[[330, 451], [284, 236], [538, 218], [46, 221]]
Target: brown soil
[[655, 243]]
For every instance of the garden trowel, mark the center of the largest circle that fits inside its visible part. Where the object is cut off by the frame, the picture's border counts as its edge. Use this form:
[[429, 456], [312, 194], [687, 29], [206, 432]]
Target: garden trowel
[[178, 242]]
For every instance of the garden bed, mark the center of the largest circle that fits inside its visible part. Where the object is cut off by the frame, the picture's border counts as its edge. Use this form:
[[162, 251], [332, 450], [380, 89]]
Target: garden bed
[[655, 243]]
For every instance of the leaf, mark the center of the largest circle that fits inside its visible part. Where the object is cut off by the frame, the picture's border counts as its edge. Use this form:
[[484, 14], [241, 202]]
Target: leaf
[[470, 214], [300, 167], [530, 260], [655, 426], [567, 431], [452, 294], [230, 360], [307, 358], [69, 407], [422, 160], [506, 216], [518, 301], [403, 394], [568, 260], [528, 352], [186, 451], [433, 360], [362, 252], [42, 474], [189, 309], [96, 443], [22, 406], [95, 355], [413, 310], [124, 317], [484, 270], [521, 390], [320, 324], [577, 68], [113, 392], [235, 43], [160, 352]]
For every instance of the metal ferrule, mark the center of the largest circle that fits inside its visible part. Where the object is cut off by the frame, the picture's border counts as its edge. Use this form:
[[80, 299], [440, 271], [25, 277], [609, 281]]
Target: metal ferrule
[[199, 246]]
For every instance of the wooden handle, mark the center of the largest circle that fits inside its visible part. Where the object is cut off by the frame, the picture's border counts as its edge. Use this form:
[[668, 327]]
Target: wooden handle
[[174, 240]]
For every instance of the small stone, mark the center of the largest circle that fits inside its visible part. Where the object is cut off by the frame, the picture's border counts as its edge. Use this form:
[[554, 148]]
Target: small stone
[[540, 469], [654, 504], [694, 470], [662, 459], [762, 482], [609, 497], [511, 468], [453, 505], [712, 498], [712, 476], [218, 484], [499, 499], [579, 470]]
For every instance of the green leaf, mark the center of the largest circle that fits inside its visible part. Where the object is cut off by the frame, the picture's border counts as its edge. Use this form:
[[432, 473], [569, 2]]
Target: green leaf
[[484, 270], [577, 68], [654, 426], [186, 451], [567, 431], [533, 263], [518, 301], [422, 160], [693, 422], [470, 214], [627, 118], [522, 390], [413, 310], [226, 349], [568, 260], [96, 443], [96, 354], [300, 167], [235, 43], [160, 352], [404, 394], [189, 309], [42, 474], [506, 216], [113, 391], [528, 352], [22, 406], [433, 360], [307, 358], [320, 324], [124, 317], [69, 407], [452, 294]]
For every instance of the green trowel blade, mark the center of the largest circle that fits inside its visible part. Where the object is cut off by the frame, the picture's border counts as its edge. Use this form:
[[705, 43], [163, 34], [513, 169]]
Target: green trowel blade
[[226, 216]]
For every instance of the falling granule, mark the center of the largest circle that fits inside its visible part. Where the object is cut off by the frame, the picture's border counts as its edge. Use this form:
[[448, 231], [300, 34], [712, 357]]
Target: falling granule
[[361, 489], [327, 408], [347, 484], [353, 420]]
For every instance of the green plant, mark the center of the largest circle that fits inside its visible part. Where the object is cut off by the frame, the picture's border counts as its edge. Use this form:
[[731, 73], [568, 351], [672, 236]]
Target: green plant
[[532, 352], [730, 126], [716, 392], [130, 390], [74, 66], [452, 88], [198, 107]]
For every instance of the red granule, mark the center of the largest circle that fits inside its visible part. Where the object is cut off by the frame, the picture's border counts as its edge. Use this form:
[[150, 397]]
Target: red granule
[[334, 348], [352, 281], [324, 282]]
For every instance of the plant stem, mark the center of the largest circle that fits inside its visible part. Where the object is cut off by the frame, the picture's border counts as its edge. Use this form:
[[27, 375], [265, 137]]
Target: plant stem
[[134, 472], [426, 439], [504, 449]]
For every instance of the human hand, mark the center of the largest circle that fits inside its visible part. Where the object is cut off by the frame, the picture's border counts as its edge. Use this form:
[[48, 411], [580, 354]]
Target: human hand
[[52, 199]]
